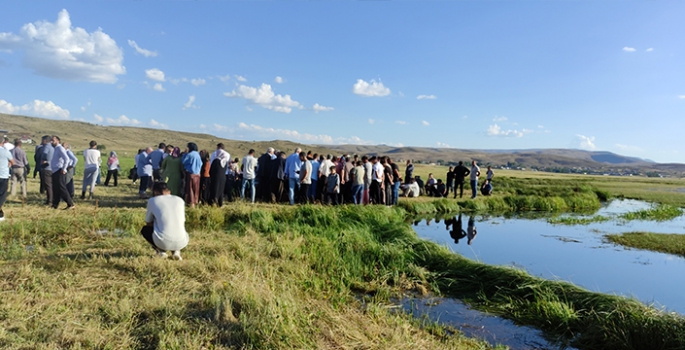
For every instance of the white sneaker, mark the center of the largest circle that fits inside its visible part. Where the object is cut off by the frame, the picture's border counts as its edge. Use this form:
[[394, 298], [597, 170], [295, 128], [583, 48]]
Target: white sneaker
[[2, 218], [162, 255], [177, 255]]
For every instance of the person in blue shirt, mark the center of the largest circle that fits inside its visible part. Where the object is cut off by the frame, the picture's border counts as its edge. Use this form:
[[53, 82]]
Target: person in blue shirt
[[45, 170], [292, 171], [144, 169], [192, 163], [156, 158], [6, 162], [316, 163]]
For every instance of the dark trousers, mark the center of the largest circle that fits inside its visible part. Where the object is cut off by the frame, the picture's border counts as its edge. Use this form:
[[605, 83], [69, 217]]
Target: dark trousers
[[46, 179], [228, 187], [303, 195], [216, 193], [4, 185], [450, 187], [388, 193], [331, 197], [156, 175], [112, 173], [375, 192], [59, 181], [276, 190], [144, 183], [459, 185], [321, 184], [147, 232]]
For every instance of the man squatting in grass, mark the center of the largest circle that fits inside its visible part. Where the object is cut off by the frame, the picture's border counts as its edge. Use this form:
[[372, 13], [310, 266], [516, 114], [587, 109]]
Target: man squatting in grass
[[165, 218], [6, 162]]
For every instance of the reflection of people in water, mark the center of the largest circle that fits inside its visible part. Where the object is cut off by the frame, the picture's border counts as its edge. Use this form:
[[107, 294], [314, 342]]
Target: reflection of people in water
[[471, 230], [457, 232]]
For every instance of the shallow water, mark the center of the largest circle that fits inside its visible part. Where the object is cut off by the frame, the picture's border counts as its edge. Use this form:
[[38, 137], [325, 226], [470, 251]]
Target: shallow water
[[476, 324], [578, 254]]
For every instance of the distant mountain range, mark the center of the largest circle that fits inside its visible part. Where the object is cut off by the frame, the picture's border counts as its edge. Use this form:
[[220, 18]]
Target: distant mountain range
[[129, 139]]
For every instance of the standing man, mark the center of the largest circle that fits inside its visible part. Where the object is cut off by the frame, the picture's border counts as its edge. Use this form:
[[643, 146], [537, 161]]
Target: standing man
[[46, 168], [450, 181], [192, 163], [144, 169], [70, 169], [366, 164], [263, 173], [292, 171], [38, 152], [408, 171], [91, 169], [397, 183], [489, 174], [156, 158], [316, 164], [324, 172], [305, 178], [460, 174], [377, 181], [59, 165], [6, 162], [18, 168], [165, 222], [249, 165], [475, 173]]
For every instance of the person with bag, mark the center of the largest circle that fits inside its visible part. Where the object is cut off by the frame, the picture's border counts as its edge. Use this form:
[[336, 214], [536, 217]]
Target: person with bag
[[112, 168]]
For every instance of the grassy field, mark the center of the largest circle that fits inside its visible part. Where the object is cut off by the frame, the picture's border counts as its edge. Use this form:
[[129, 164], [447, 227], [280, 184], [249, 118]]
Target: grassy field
[[270, 276], [657, 242]]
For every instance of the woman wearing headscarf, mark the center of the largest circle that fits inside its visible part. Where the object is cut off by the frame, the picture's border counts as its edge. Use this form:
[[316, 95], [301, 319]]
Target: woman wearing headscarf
[[172, 171], [192, 163], [112, 168], [217, 173]]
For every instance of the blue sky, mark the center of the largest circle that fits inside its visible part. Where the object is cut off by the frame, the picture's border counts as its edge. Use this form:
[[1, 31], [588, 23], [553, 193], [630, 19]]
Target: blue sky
[[604, 75]]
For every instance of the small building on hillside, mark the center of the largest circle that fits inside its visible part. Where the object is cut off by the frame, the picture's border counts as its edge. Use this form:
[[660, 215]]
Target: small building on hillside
[[26, 139]]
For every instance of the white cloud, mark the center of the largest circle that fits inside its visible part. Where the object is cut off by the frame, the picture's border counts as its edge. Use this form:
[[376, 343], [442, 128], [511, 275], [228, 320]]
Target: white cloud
[[155, 74], [279, 80], [319, 108], [224, 78], [247, 108], [425, 123], [541, 127], [585, 142], [401, 122], [500, 119], [189, 104], [426, 97], [629, 49], [465, 117], [682, 97], [140, 50], [83, 108], [122, 120], [297, 136], [59, 50], [37, 108], [240, 78], [650, 49], [98, 118], [158, 87], [218, 127], [442, 145], [627, 148], [202, 126], [371, 121], [265, 97], [496, 130], [198, 81], [157, 124], [372, 88]]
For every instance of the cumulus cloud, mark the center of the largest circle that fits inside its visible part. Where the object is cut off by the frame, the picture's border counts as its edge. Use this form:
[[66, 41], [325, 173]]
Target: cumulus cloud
[[198, 81], [202, 126], [319, 108], [425, 123], [98, 118], [298, 136], [370, 89], [628, 49], [496, 130], [37, 108], [224, 78], [140, 50], [649, 49], [122, 120], [442, 145], [189, 104], [59, 50], [155, 74], [158, 87], [240, 78], [682, 97], [426, 97], [279, 80], [265, 97], [585, 142], [155, 124], [499, 119]]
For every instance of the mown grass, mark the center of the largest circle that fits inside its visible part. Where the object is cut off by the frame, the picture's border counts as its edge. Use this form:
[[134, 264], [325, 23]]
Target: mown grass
[[277, 277], [657, 242]]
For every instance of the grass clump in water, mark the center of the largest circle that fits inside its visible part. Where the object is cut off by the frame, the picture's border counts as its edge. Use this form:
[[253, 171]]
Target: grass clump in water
[[661, 212], [577, 220], [657, 242]]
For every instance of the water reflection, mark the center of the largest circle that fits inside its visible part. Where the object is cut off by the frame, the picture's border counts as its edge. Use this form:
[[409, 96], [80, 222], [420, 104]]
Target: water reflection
[[458, 232]]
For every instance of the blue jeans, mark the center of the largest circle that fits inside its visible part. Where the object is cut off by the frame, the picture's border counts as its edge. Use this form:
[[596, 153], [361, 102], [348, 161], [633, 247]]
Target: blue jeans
[[357, 191], [293, 186], [396, 192], [474, 188], [246, 183]]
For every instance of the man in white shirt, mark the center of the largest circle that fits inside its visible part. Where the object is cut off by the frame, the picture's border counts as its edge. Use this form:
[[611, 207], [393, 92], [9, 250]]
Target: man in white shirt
[[376, 181], [305, 178], [165, 218], [6, 162], [7, 145], [411, 189], [475, 173], [249, 165], [91, 168]]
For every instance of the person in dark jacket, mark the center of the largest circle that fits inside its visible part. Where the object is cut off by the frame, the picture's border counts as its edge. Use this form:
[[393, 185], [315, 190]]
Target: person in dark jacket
[[460, 174], [263, 174], [277, 176]]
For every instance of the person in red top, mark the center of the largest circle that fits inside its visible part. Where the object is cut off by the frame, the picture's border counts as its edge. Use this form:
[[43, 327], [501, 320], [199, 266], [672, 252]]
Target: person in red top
[[204, 176]]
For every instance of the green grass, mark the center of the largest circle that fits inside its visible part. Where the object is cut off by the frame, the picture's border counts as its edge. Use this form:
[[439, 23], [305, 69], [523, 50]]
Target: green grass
[[575, 220], [657, 242], [661, 212]]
